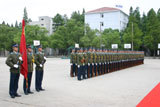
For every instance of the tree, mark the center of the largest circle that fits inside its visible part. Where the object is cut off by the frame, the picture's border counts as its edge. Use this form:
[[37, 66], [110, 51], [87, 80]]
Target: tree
[[68, 35], [78, 16], [33, 33], [25, 16], [110, 37], [152, 37], [158, 14], [136, 14], [16, 24], [58, 20], [86, 40], [6, 37], [133, 24], [3, 23]]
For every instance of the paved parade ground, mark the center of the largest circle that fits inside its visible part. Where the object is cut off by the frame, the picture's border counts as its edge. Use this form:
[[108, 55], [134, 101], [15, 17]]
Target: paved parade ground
[[124, 88]]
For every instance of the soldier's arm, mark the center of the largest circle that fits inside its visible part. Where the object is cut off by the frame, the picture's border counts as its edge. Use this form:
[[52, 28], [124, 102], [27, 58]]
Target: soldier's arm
[[36, 60], [9, 61], [71, 58], [44, 60]]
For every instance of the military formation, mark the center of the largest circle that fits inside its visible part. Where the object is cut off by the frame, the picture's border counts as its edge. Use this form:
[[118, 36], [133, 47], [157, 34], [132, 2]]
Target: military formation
[[14, 61], [87, 63]]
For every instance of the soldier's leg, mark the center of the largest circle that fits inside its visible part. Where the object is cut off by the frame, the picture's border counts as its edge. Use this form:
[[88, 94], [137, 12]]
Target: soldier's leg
[[94, 69], [88, 71], [74, 70], [29, 81], [103, 68], [79, 73], [71, 71], [37, 80], [16, 82], [91, 70], [84, 71], [98, 68], [41, 79], [24, 86], [107, 66], [11, 85]]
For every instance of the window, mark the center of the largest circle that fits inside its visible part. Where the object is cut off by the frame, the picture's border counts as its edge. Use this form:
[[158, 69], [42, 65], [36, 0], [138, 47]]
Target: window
[[101, 24], [42, 19], [42, 24], [101, 15]]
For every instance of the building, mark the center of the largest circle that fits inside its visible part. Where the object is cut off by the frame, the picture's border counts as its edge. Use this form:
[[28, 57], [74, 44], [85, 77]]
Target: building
[[106, 17], [44, 21]]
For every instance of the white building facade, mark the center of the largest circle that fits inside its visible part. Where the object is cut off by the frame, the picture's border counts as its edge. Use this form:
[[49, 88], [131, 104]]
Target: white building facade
[[106, 17], [46, 22]]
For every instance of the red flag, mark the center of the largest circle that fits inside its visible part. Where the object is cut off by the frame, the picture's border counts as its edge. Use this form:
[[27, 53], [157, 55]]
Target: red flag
[[23, 51], [152, 99]]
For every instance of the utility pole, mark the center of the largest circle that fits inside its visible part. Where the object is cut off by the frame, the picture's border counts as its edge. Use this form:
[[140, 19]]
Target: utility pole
[[100, 34], [132, 36]]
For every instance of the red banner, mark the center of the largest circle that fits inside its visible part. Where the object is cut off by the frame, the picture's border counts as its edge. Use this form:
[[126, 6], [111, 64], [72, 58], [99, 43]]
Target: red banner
[[23, 51], [152, 99]]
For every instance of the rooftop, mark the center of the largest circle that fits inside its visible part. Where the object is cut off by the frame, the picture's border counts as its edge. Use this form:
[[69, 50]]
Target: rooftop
[[103, 9]]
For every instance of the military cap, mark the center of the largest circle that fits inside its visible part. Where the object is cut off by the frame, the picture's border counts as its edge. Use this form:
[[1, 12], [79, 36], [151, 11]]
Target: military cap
[[15, 45], [40, 46], [73, 49], [86, 49], [29, 46], [81, 49]]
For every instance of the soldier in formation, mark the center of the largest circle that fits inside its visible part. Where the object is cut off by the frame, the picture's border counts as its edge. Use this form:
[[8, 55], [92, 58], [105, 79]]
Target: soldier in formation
[[40, 60], [14, 61], [93, 62], [30, 61]]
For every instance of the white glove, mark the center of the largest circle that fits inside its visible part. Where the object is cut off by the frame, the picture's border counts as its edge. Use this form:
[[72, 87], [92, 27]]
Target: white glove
[[78, 66], [41, 65], [20, 58], [15, 66], [45, 58], [88, 64]]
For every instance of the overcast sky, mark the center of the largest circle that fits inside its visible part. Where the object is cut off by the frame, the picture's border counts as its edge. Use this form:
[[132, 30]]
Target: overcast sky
[[12, 10]]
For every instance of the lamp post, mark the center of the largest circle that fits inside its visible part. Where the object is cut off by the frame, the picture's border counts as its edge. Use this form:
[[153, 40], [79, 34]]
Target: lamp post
[[132, 36], [100, 34]]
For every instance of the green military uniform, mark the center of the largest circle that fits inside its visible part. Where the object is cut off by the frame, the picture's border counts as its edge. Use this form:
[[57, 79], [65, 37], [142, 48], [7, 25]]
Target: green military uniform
[[14, 62], [30, 61], [12, 59], [85, 55], [73, 64]]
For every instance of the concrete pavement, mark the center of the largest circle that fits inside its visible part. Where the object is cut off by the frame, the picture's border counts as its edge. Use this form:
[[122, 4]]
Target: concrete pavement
[[124, 88]]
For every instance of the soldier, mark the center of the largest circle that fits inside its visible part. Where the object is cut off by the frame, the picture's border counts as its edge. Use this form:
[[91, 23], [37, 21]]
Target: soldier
[[90, 62], [30, 61], [80, 63], [86, 62], [101, 61], [40, 59], [94, 63], [73, 63], [98, 61], [14, 61]]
